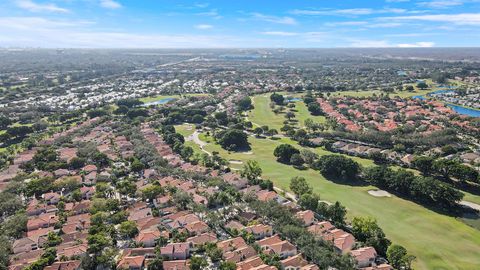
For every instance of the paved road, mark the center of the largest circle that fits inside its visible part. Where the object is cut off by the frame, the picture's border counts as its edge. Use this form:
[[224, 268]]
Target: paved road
[[194, 138]]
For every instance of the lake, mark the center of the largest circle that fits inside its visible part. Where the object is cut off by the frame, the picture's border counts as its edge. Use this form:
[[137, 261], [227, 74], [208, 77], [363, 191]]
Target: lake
[[456, 108], [158, 102]]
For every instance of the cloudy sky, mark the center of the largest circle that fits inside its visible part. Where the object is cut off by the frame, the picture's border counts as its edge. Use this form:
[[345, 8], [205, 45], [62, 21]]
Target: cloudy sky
[[241, 23]]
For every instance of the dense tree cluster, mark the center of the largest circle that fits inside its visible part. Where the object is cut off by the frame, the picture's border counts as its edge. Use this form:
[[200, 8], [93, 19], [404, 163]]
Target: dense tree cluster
[[419, 188], [232, 139], [337, 166]]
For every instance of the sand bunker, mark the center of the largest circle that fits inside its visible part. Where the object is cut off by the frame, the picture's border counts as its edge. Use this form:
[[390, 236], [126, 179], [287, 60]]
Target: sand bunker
[[379, 193], [235, 161], [471, 205]]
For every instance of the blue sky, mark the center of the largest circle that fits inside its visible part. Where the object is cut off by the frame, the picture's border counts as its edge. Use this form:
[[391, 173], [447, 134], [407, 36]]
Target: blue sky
[[241, 23]]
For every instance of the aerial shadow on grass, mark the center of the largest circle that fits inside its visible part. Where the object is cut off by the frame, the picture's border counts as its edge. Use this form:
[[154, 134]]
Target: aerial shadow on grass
[[243, 149], [347, 181]]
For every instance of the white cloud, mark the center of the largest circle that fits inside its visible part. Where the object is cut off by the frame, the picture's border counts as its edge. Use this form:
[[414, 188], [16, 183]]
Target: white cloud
[[273, 19], [38, 23], [203, 26], [387, 44], [280, 33], [36, 7], [212, 13], [416, 45], [111, 4], [48, 33], [346, 23], [441, 3], [346, 12], [458, 19]]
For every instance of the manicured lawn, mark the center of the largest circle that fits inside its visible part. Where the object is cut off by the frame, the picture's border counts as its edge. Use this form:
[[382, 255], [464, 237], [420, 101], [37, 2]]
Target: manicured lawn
[[438, 241], [302, 114], [263, 114]]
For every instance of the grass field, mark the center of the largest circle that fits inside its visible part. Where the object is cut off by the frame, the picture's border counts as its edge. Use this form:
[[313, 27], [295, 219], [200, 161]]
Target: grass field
[[438, 241]]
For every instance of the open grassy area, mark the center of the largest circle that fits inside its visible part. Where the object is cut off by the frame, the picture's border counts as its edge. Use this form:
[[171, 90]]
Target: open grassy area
[[263, 114], [302, 114], [438, 241]]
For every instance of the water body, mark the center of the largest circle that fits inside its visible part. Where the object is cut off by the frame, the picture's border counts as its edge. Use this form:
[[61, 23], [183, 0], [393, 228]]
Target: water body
[[465, 111], [159, 102], [293, 99], [456, 108]]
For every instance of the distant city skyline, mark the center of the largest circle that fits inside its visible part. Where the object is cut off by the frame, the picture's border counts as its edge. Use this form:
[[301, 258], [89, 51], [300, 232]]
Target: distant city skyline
[[239, 24]]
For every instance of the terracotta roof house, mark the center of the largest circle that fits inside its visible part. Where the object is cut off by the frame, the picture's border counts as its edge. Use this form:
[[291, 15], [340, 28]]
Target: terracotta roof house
[[148, 237], [132, 263], [294, 262], [203, 238], [320, 228], [264, 267], [176, 265], [266, 195], [307, 217], [19, 261], [131, 252], [75, 237], [42, 221], [364, 256], [40, 232], [139, 214], [235, 180], [275, 245], [162, 201], [89, 168], [176, 251], [236, 250], [181, 220], [73, 251], [51, 197], [61, 173], [233, 224], [149, 222], [196, 227], [260, 231], [383, 266], [35, 208], [67, 154], [25, 244], [250, 263], [66, 265], [342, 240], [90, 178]]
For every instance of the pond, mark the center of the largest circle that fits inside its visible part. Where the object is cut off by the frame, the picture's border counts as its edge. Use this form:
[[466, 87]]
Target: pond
[[158, 102], [293, 99], [456, 108]]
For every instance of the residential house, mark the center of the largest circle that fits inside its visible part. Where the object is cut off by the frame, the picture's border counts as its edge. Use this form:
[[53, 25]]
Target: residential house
[[307, 217], [259, 231], [364, 256], [132, 263], [176, 251], [276, 245]]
